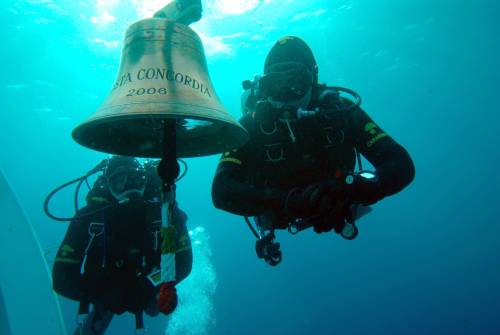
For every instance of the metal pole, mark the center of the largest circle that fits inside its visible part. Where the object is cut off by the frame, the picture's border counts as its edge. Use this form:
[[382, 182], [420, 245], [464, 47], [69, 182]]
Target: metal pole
[[168, 170]]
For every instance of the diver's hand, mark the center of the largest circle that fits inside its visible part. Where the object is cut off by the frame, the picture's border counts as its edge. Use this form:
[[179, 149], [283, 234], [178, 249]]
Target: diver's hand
[[167, 298], [315, 200], [335, 219]]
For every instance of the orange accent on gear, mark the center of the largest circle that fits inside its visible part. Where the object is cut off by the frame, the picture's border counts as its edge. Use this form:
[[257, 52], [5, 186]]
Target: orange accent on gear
[[167, 298]]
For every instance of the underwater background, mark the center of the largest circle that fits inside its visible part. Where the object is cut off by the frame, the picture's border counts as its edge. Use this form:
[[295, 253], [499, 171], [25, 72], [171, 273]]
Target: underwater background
[[427, 260]]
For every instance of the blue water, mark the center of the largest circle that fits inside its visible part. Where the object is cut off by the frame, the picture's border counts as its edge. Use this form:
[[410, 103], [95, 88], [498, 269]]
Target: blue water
[[427, 259]]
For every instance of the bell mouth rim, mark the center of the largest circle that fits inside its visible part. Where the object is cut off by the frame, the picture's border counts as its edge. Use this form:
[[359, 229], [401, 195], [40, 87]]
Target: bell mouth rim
[[238, 135]]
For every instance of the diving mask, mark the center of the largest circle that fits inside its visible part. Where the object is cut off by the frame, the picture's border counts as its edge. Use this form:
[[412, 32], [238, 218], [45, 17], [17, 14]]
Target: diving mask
[[286, 82], [127, 183]]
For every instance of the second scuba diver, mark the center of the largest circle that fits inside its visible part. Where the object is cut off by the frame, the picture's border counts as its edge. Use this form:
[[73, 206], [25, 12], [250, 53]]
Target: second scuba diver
[[110, 255], [298, 169]]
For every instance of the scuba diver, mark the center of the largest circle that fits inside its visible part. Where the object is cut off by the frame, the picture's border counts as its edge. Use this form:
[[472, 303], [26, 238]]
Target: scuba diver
[[110, 256], [299, 168], [117, 255]]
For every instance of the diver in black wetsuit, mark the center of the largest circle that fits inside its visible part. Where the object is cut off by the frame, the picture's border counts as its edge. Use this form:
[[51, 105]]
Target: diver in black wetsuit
[[299, 163], [110, 256]]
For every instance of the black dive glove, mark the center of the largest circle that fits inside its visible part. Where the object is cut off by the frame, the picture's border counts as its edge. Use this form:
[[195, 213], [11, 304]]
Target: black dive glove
[[336, 219], [321, 199], [315, 200], [324, 205], [361, 188]]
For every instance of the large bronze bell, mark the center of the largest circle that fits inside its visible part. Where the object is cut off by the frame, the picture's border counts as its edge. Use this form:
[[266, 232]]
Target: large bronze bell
[[163, 75]]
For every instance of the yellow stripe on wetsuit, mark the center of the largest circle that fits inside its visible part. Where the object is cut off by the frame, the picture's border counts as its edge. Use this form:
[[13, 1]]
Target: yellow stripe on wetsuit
[[67, 260], [230, 160]]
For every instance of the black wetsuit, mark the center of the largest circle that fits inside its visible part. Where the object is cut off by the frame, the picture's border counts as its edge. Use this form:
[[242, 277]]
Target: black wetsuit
[[255, 179], [119, 258], [126, 247]]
